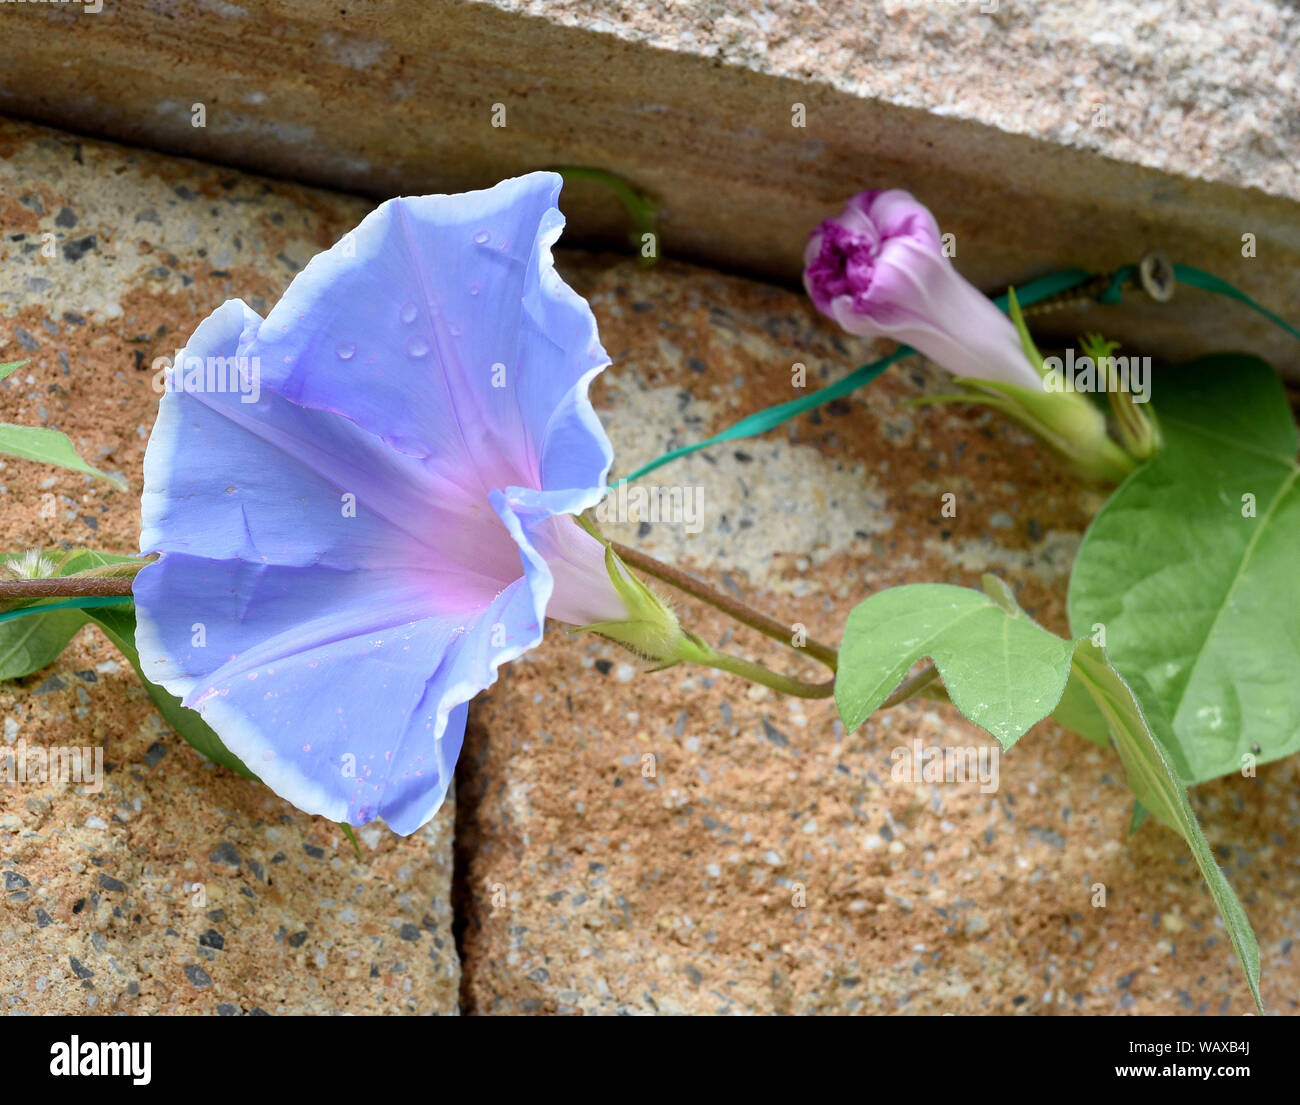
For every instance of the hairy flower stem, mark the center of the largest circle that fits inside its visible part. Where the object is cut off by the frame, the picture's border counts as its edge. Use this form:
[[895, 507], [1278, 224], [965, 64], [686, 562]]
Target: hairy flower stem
[[111, 580], [98, 583], [68, 586], [761, 623]]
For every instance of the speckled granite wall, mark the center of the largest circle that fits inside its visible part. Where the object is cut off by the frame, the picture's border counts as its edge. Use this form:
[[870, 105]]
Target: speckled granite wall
[[582, 883], [1197, 88], [179, 887], [1043, 134]]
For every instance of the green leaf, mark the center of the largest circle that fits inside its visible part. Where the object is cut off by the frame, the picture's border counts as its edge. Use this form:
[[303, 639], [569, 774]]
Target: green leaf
[[118, 624], [1198, 600], [31, 643], [1026, 340], [1000, 669], [1139, 816], [1152, 778], [11, 366], [48, 446], [347, 832], [77, 562], [1004, 672], [86, 560], [62, 564]]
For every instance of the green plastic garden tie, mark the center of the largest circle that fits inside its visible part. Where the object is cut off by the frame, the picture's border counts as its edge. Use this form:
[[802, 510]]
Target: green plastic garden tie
[[1033, 292], [1195, 278], [81, 603]]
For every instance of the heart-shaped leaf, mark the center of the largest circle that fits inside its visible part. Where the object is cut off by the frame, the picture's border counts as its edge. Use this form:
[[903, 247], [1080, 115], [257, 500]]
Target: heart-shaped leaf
[[1001, 670], [1191, 569]]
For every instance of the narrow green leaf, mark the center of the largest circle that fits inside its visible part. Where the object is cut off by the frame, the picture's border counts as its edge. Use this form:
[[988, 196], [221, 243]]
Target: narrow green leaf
[[11, 366], [84, 602], [1138, 818], [347, 832], [1190, 567], [1152, 778], [1026, 341], [48, 446]]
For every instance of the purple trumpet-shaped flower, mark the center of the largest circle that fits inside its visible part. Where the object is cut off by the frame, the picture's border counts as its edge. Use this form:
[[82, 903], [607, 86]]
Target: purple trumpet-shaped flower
[[879, 271], [347, 560]]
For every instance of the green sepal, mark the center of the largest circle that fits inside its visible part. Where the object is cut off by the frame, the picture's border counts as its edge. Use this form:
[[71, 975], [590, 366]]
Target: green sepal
[[1067, 422], [651, 629], [1026, 342]]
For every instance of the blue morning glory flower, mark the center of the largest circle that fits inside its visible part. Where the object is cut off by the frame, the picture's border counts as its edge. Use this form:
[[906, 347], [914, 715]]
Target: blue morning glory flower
[[363, 502]]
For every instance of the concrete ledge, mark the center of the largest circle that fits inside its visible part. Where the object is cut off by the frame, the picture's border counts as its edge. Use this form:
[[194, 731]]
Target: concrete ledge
[[695, 105]]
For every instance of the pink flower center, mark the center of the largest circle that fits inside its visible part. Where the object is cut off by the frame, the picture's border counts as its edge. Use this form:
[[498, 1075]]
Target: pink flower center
[[845, 263]]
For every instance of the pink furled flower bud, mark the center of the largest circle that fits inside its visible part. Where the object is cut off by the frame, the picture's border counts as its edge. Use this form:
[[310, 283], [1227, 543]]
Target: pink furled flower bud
[[879, 271]]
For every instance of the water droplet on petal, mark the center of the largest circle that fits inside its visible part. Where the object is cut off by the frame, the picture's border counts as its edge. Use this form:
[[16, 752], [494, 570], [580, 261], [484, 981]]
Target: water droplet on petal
[[407, 314], [455, 330], [346, 350], [474, 289], [482, 236], [417, 347]]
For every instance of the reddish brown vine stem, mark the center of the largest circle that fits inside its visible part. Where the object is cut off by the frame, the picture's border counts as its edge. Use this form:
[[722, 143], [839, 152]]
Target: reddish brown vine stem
[[769, 627], [65, 587]]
